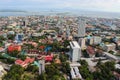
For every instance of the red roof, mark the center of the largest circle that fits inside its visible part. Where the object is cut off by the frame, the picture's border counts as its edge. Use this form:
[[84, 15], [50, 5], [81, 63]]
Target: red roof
[[33, 51], [14, 47], [29, 60], [59, 36], [24, 63], [42, 47], [18, 61], [49, 58], [90, 50], [1, 48]]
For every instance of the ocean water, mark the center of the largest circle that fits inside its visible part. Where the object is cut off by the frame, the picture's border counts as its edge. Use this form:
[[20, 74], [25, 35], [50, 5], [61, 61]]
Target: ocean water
[[69, 13]]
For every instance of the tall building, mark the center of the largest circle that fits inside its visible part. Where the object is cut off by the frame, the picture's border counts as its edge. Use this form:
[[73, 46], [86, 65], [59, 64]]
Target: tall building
[[68, 31], [81, 28], [82, 42], [75, 51], [89, 40], [19, 37], [24, 23], [41, 66]]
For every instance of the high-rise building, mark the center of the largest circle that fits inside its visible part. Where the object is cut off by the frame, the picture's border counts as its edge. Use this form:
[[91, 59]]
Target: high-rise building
[[82, 42], [68, 31], [19, 37], [24, 23], [75, 51], [89, 40], [81, 28], [41, 66]]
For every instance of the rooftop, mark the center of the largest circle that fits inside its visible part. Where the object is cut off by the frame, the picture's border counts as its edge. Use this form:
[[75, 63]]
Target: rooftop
[[74, 44]]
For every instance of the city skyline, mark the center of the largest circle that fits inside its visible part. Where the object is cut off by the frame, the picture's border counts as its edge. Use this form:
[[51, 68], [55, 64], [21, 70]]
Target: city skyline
[[90, 5]]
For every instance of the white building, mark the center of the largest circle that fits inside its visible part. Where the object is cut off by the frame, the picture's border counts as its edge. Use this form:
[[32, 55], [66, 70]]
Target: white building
[[67, 31], [36, 34], [81, 28], [117, 66], [75, 74], [82, 42], [110, 56], [110, 47], [91, 41], [42, 66], [97, 39], [19, 37], [2, 71], [75, 51]]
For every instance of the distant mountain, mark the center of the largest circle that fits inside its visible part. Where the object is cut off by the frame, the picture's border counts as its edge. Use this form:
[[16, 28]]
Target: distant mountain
[[10, 10]]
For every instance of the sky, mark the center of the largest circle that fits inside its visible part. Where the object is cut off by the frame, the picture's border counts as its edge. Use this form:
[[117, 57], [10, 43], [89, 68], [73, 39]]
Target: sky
[[91, 5]]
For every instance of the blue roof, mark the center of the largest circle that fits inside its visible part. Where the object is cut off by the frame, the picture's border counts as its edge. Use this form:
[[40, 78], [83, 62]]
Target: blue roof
[[89, 37], [48, 48], [36, 63]]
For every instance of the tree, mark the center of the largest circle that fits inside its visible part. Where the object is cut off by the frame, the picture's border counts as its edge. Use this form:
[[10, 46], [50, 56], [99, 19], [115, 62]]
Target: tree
[[118, 47], [2, 38], [83, 63], [53, 73], [53, 69], [86, 74], [32, 68], [104, 71], [110, 65], [10, 60], [111, 52], [14, 53], [43, 76], [85, 54], [11, 36], [99, 63], [29, 46], [97, 55], [76, 79], [106, 40], [22, 57], [1, 57], [15, 73], [117, 70], [66, 43], [66, 67], [62, 58], [56, 77], [26, 77]]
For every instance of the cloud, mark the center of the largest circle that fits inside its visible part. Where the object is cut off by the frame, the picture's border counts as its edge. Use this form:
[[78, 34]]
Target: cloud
[[100, 5]]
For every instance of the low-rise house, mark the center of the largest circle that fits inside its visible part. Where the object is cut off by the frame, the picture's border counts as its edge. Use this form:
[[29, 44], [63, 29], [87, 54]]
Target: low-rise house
[[49, 58], [14, 47], [24, 63], [2, 71], [91, 51], [32, 43], [42, 47], [2, 49], [110, 47]]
